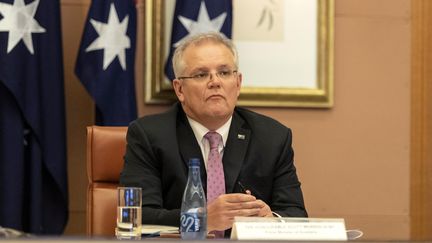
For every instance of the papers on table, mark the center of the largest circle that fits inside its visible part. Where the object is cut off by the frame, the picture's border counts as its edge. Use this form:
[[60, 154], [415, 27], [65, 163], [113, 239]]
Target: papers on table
[[152, 229]]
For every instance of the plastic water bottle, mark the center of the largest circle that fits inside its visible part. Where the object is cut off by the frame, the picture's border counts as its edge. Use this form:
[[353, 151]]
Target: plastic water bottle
[[193, 216]]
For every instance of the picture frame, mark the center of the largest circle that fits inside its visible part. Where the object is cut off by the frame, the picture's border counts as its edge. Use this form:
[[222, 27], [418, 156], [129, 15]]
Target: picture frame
[[274, 87]]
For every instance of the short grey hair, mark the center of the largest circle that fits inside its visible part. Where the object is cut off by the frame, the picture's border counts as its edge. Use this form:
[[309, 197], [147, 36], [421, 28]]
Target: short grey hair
[[216, 37]]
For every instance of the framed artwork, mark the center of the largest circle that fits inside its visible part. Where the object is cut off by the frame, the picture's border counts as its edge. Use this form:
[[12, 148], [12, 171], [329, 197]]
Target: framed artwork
[[285, 52]]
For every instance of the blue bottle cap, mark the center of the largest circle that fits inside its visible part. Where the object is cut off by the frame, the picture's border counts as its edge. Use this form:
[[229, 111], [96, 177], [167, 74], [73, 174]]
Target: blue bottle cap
[[194, 162]]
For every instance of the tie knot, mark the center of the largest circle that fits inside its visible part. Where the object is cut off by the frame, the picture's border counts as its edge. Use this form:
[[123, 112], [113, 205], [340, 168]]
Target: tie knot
[[214, 139]]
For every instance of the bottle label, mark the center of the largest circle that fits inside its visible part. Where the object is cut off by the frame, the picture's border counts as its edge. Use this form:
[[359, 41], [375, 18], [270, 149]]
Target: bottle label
[[189, 222]]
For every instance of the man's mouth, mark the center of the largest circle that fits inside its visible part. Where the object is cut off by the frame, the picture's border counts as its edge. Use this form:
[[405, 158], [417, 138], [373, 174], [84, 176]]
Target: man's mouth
[[216, 96]]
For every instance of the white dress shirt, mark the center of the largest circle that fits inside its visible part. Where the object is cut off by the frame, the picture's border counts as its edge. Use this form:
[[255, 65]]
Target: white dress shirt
[[199, 132]]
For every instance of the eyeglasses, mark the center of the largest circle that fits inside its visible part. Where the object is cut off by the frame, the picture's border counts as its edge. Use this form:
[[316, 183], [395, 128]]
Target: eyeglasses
[[207, 76]]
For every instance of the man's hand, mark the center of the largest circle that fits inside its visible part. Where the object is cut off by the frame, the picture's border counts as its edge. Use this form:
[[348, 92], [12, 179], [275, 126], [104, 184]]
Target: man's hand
[[265, 210], [221, 212]]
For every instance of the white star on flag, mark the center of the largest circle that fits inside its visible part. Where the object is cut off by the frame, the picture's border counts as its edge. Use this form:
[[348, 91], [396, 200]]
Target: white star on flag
[[203, 23], [18, 20], [112, 38]]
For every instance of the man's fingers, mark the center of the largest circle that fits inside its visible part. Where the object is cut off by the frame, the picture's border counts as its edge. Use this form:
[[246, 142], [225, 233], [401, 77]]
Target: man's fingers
[[244, 205], [238, 197]]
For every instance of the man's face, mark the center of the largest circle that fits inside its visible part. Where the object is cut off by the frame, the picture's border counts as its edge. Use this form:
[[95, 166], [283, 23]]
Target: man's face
[[210, 102]]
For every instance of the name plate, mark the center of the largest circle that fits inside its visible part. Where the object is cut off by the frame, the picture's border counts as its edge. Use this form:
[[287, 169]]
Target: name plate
[[257, 228]]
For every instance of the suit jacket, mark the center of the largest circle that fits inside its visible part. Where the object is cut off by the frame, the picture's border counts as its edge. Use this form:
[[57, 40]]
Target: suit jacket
[[257, 153]]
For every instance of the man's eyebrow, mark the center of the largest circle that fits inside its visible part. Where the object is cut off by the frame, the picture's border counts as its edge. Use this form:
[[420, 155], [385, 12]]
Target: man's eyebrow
[[225, 66], [199, 69], [206, 69]]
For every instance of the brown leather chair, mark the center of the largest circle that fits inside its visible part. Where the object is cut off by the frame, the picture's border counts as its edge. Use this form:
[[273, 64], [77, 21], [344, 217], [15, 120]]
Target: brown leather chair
[[105, 150]]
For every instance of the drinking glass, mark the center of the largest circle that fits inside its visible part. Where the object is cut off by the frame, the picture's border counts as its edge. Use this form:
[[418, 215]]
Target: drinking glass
[[129, 213]]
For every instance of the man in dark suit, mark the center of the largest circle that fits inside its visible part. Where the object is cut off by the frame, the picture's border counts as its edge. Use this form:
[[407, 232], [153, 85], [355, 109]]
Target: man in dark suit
[[257, 157]]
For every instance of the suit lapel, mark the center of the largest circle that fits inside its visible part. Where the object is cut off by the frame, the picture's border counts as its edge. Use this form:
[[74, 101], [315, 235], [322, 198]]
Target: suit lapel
[[235, 151], [188, 146]]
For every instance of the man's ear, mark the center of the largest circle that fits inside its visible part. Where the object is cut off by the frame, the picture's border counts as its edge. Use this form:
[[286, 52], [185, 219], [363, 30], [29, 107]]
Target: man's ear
[[239, 83], [178, 88]]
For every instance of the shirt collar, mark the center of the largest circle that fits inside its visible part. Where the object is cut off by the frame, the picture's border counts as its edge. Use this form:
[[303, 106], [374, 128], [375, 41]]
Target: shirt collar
[[199, 130]]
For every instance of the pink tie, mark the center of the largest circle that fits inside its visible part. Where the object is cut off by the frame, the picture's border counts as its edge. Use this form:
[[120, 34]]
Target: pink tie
[[215, 173]]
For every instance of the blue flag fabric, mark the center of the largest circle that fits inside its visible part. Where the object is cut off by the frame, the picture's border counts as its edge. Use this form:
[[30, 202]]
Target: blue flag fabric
[[106, 60], [195, 16], [33, 178]]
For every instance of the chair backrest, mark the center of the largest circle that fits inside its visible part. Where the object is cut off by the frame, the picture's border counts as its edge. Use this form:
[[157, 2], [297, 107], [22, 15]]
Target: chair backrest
[[105, 150]]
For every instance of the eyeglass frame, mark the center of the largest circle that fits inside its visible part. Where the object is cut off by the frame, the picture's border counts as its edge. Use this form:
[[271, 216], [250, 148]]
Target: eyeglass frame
[[233, 72]]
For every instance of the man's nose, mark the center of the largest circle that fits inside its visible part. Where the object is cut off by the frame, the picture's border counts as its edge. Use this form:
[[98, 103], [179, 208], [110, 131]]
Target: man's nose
[[214, 81]]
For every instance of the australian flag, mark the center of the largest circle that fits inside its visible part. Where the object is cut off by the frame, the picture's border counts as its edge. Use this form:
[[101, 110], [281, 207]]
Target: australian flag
[[106, 60], [198, 16], [33, 178]]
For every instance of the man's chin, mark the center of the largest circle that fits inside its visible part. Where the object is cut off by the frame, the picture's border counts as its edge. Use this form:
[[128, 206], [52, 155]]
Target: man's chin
[[220, 113]]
